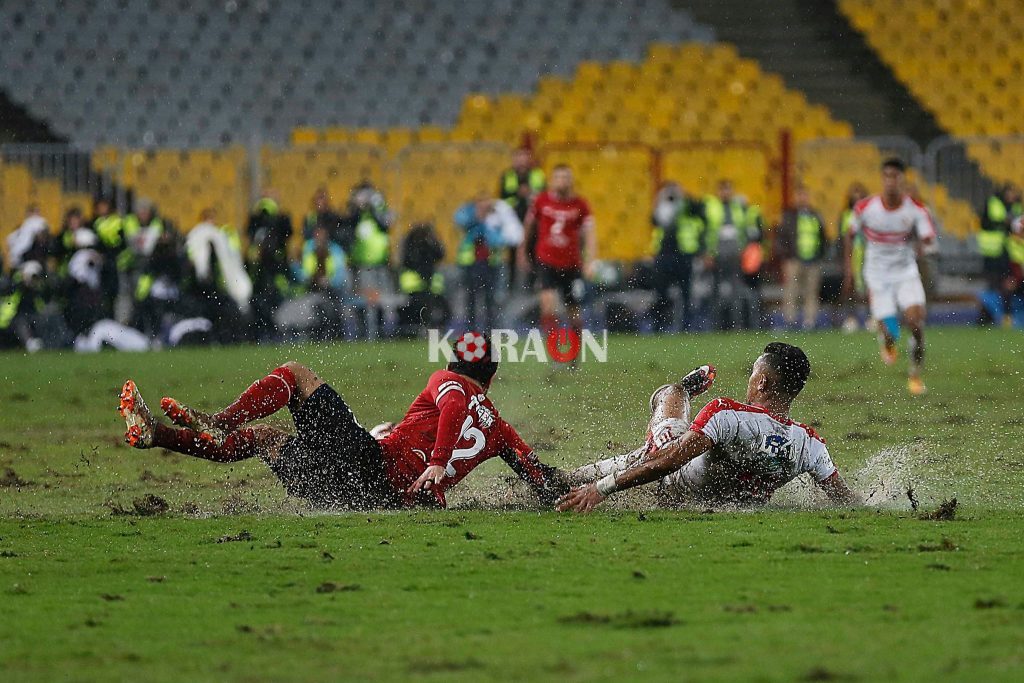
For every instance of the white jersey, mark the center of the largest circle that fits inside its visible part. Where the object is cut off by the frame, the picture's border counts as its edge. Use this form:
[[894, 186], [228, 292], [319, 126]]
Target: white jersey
[[754, 452], [889, 256]]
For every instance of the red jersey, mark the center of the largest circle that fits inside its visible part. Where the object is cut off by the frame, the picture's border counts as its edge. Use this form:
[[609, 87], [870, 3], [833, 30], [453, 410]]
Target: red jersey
[[452, 423], [560, 224]]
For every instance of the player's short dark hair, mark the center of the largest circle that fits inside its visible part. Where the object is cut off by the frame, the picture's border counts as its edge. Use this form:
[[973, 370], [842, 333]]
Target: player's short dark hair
[[790, 365], [482, 370], [895, 162], [561, 167]]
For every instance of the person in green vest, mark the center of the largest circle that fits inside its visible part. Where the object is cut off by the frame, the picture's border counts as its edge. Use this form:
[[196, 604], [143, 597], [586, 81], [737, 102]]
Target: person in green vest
[[485, 223], [849, 295], [158, 272], [677, 239], [365, 238], [109, 229], [323, 272], [22, 306], [733, 256], [997, 217], [518, 186], [1015, 252], [800, 244], [269, 230], [422, 282]]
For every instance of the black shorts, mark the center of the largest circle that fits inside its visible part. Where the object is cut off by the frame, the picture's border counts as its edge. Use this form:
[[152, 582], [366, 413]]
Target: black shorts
[[332, 461], [568, 281]]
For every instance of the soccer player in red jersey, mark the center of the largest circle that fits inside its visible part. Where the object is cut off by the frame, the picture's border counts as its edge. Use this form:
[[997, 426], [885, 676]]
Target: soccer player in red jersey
[[560, 227], [450, 428]]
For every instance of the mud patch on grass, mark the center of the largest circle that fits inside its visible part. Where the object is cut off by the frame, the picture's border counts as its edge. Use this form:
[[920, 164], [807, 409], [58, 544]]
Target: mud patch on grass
[[989, 603], [146, 506], [946, 512], [627, 619], [820, 673], [242, 535], [332, 587], [946, 545], [443, 666], [237, 505], [10, 478]]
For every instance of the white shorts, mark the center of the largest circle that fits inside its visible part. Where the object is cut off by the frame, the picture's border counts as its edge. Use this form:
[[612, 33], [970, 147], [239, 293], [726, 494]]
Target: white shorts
[[888, 299]]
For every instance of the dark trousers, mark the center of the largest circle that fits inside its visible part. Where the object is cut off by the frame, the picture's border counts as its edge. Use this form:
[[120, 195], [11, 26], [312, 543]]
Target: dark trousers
[[480, 279], [672, 269]]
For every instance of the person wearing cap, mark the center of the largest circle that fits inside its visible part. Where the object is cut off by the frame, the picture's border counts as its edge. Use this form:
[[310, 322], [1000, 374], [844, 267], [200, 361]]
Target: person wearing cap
[[332, 461]]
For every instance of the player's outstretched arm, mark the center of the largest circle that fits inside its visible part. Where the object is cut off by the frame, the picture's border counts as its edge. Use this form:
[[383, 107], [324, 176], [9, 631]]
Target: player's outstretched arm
[[838, 492], [656, 466]]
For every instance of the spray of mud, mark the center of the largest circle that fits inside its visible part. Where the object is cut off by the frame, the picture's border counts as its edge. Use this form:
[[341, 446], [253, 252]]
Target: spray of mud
[[881, 482]]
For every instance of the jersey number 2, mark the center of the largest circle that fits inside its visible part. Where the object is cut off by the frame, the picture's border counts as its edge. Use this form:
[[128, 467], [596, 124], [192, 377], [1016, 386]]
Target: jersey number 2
[[473, 434]]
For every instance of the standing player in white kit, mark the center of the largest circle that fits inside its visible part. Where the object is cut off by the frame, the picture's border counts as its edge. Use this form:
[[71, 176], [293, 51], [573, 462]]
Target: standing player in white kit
[[893, 224], [732, 453]]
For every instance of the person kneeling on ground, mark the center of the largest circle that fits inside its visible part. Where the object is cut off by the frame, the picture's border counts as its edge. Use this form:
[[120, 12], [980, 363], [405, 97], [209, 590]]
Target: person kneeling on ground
[[332, 461], [732, 453]]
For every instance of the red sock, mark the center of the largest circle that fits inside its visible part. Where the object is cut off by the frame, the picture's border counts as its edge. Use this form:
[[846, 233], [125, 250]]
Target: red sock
[[239, 445], [265, 397]]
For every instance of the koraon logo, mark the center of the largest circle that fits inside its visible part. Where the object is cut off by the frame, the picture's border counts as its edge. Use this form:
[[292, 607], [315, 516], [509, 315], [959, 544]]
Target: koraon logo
[[557, 345]]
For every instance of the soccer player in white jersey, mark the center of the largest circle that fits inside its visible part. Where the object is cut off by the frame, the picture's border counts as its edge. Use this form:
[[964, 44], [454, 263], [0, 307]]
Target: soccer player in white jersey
[[732, 452], [893, 226]]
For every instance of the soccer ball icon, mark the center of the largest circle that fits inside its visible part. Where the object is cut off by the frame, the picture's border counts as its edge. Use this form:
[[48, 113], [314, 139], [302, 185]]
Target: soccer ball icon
[[471, 347]]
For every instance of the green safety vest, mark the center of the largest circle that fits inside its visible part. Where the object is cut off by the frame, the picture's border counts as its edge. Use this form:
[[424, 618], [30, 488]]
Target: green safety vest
[[857, 252], [992, 242], [510, 183], [466, 255], [9, 309], [411, 282], [1015, 249], [132, 225], [371, 244], [743, 218], [110, 230], [309, 264], [808, 237], [689, 229]]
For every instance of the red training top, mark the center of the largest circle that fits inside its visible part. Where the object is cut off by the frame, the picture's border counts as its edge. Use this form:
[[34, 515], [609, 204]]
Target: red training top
[[559, 226]]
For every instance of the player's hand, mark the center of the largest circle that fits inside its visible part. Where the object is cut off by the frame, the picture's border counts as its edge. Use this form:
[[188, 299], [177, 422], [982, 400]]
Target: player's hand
[[589, 269], [582, 499], [430, 478]]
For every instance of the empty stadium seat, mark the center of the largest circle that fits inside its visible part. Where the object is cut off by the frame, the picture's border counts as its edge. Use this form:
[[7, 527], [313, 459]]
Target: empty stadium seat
[[306, 64]]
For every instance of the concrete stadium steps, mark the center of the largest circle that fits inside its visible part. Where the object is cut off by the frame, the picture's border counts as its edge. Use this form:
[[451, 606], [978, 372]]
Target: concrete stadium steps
[[813, 48], [964, 62]]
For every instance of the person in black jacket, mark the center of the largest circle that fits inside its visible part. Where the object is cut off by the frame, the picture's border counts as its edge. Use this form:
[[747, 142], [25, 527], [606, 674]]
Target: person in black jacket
[[269, 230], [420, 280]]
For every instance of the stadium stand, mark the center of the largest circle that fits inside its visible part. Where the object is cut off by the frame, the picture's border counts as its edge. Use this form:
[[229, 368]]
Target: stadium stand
[[597, 87], [203, 77], [963, 60]]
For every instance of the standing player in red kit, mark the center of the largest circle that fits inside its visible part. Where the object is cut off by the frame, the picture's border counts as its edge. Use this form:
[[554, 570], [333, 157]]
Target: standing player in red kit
[[560, 227], [450, 428]]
